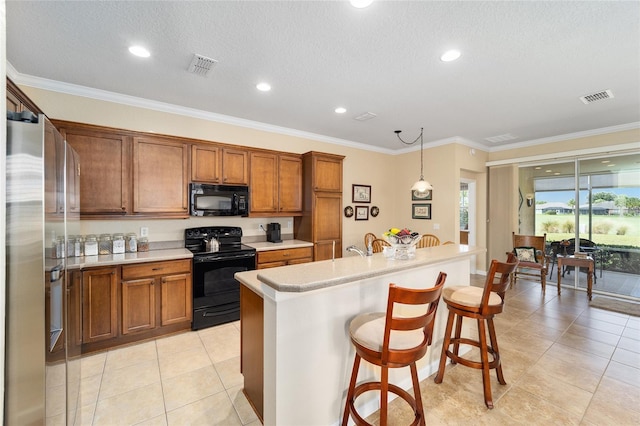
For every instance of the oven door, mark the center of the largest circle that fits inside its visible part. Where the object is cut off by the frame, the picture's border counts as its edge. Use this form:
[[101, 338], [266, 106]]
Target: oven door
[[216, 293]]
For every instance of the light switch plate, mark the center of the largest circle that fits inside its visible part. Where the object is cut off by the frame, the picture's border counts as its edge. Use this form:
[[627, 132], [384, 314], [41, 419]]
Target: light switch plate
[[144, 231]]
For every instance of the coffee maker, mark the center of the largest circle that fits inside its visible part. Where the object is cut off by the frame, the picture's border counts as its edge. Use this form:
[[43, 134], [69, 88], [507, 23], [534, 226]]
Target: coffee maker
[[273, 233]]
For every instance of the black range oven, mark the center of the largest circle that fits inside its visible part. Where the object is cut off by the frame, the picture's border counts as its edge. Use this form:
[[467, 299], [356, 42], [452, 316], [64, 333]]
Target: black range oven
[[216, 293]]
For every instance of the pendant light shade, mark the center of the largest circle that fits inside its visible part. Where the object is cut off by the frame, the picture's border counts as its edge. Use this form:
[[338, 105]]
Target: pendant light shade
[[421, 185]]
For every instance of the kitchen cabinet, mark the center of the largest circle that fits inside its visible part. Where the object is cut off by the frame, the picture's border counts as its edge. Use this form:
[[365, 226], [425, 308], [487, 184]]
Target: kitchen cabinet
[[160, 179], [283, 257], [276, 184], [53, 166], [106, 173], [321, 220], [252, 348], [18, 101], [155, 293], [205, 163], [99, 304], [235, 166]]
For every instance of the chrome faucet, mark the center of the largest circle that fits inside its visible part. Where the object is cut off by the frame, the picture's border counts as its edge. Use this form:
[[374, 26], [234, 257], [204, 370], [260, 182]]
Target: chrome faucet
[[356, 249]]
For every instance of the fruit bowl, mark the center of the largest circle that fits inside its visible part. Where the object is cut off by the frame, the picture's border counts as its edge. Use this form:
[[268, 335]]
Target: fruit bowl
[[402, 242]]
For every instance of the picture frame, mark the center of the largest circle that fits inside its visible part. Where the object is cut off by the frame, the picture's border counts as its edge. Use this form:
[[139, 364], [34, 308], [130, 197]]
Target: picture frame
[[421, 196], [362, 213], [361, 193], [421, 211]]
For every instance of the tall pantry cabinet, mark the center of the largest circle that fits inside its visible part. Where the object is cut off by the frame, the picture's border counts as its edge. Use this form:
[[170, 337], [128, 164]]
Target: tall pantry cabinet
[[321, 220]]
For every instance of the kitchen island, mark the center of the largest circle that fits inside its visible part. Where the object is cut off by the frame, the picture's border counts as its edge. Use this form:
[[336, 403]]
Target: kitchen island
[[296, 351]]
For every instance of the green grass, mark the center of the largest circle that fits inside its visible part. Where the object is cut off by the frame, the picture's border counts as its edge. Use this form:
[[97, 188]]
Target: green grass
[[605, 228]]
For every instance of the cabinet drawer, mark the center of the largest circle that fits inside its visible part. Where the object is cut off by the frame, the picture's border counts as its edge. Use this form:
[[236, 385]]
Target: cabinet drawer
[[284, 255], [150, 269]]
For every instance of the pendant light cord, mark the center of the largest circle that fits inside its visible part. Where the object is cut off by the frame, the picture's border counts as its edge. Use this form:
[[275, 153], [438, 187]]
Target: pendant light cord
[[397, 132]]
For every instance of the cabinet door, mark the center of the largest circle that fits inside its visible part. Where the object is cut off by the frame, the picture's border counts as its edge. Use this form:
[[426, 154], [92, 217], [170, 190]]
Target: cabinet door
[[99, 304], [53, 166], [176, 299], [235, 167], [264, 183], [104, 187], [327, 225], [159, 176], [289, 184], [327, 173], [205, 163], [138, 305], [73, 181]]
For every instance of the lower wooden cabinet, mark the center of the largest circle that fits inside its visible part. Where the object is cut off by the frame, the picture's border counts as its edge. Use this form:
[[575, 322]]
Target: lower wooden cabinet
[[122, 304], [99, 304], [274, 258]]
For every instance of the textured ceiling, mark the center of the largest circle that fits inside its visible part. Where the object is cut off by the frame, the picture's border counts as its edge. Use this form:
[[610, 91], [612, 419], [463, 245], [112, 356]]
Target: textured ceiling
[[524, 65]]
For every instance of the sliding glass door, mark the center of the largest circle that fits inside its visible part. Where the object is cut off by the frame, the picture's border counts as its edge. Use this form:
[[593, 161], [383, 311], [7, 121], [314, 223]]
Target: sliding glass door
[[592, 206]]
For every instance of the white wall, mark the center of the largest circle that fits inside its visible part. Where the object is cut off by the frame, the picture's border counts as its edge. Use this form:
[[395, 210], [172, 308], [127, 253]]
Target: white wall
[[3, 168]]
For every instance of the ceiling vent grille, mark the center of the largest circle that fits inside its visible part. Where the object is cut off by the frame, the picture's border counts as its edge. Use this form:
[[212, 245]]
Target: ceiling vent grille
[[201, 65], [600, 96], [501, 138], [366, 116]]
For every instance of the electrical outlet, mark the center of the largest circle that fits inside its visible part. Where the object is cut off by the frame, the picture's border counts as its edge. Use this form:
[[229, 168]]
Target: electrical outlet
[[436, 226], [289, 224], [261, 228], [144, 231]]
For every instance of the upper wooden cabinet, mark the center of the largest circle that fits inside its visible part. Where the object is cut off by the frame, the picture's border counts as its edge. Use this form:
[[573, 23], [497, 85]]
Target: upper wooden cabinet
[[326, 172], [206, 163], [235, 166], [106, 177], [276, 184], [17, 101], [321, 221], [160, 180]]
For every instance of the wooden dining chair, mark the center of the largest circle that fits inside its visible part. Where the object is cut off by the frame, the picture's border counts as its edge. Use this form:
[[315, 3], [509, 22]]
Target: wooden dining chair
[[378, 245], [428, 240], [368, 239], [533, 260]]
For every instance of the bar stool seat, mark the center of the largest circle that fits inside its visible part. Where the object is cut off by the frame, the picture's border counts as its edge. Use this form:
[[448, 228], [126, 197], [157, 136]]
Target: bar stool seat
[[481, 304], [391, 340]]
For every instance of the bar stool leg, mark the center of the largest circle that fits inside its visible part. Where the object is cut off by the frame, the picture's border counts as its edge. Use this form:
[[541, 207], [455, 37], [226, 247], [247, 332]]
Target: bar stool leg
[[456, 341], [352, 386], [418, 395], [384, 394], [494, 345], [484, 356], [445, 345]]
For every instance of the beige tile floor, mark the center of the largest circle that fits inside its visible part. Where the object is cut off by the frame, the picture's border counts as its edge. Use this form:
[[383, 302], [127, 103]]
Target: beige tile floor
[[564, 362]]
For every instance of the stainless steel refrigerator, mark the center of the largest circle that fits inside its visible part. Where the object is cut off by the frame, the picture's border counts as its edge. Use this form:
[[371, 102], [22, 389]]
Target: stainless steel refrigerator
[[41, 384]]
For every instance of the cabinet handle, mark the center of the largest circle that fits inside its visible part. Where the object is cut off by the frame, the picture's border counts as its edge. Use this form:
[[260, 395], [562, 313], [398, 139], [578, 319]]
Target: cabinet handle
[[123, 208], [157, 269], [285, 254]]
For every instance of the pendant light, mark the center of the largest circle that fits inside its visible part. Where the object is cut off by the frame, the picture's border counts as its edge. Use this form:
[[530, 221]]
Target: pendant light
[[421, 186]]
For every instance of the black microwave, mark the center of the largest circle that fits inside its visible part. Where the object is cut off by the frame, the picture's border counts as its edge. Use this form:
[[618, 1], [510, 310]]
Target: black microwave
[[218, 200]]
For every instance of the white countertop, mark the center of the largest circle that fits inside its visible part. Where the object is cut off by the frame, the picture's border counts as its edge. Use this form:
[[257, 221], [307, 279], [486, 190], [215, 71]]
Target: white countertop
[[328, 273], [118, 259], [285, 244]]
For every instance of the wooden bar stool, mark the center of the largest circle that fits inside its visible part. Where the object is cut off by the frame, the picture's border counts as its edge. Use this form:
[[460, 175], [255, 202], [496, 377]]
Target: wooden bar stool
[[482, 304], [392, 341]]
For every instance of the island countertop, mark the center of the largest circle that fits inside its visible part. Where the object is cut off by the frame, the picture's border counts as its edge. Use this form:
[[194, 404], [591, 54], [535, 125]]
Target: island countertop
[[284, 245], [327, 273]]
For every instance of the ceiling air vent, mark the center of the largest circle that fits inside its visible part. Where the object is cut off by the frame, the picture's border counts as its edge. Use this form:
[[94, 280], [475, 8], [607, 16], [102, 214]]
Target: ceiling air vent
[[366, 116], [501, 138], [201, 65], [600, 96]]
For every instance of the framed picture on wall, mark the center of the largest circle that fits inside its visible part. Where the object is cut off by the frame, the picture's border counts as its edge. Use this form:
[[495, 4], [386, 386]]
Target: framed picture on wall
[[361, 193], [419, 196], [421, 211], [362, 213]]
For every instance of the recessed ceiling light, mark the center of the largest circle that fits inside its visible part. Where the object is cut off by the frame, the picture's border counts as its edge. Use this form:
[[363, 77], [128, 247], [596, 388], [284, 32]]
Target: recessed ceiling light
[[450, 55], [361, 4], [556, 173], [548, 171], [139, 51], [606, 161], [340, 110], [538, 168], [610, 165], [263, 87]]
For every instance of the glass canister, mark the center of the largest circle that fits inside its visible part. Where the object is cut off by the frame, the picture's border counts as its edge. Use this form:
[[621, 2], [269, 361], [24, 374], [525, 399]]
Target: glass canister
[[58, 249], [104, 244], [118, 244], [91, 245], [143, 244], [78, 246], [71, 245], [132, 243]]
